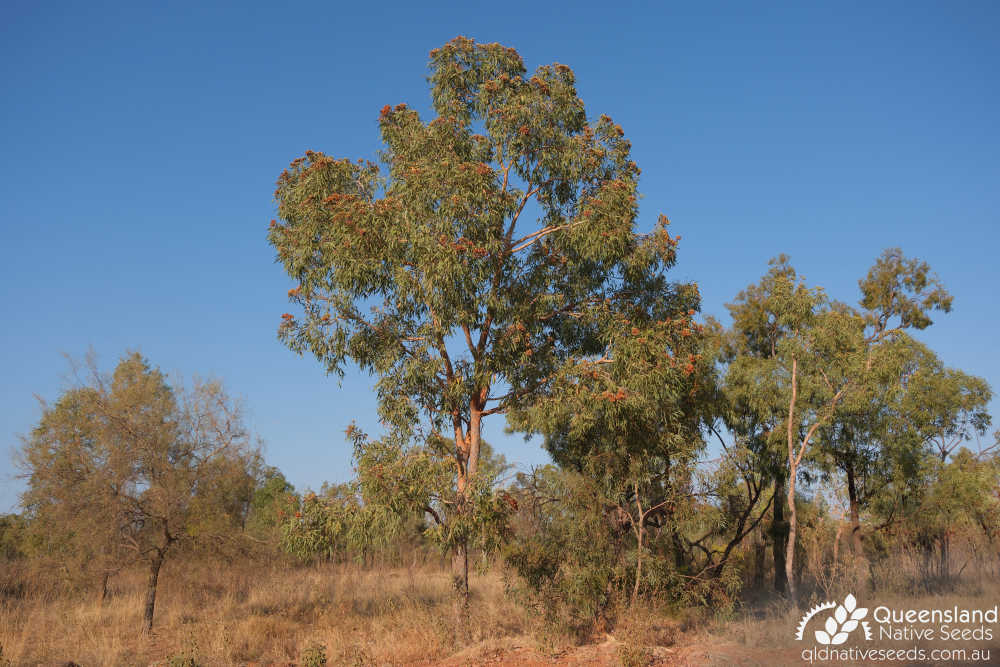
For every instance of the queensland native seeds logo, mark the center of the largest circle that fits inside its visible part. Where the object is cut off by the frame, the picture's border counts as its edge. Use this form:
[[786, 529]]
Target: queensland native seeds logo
[[845, 619]]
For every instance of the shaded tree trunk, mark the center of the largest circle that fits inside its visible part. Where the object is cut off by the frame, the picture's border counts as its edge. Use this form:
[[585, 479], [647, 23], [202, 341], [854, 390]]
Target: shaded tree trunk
[[460, 579], [759, 555], [640, 534], [154, 575], [779, 535], [104, 586], [944, 557], [852, 494]]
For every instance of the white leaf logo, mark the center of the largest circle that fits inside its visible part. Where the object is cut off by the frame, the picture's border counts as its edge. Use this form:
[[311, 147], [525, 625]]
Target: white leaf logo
[[838, 626], [840, 615]]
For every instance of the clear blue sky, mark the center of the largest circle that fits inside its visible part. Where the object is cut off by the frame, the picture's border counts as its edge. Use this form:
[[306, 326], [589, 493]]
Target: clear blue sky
[[139, 146]]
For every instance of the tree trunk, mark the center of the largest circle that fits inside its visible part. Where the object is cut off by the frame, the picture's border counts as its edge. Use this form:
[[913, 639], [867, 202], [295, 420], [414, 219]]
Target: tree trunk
[[759, 555], [460, 578], [154, 574], [792, 470], [779, 536], [852, 494], [104, 586], [468, 450], [790, 547], [836, 540], [639, 534], [944, 564]]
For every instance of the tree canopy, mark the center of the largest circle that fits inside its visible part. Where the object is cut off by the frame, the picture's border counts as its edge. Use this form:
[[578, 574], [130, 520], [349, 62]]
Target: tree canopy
[[492, 249]]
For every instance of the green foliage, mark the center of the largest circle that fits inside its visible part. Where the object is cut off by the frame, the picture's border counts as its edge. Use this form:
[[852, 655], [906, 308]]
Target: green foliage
[[269, 502], [574, 555], [125, 468], [483, 262], [832, 374], [13, 536], [902, 290], [944, 407], [314, 655], [324, 526], [187, 656], [569, 558]]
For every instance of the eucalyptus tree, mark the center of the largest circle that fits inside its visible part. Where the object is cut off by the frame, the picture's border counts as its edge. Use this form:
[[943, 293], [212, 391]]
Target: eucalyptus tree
[[633, 419], [806, 361], [865, 439], [764, 315], [946, 406], [467, 268]]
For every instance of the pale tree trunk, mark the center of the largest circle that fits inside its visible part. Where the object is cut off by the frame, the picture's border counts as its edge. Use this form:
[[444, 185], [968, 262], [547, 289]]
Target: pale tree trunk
[[790, 547], [468, 445], [792, 470], [154, 575], [795, 455]]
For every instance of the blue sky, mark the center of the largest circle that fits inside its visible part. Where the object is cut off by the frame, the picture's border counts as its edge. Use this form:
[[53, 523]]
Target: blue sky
[[139, 146]]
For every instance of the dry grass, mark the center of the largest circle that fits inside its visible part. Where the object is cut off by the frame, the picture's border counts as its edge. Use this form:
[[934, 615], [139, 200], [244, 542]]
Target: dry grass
[[772, 625], [270, 615], [274, 614]]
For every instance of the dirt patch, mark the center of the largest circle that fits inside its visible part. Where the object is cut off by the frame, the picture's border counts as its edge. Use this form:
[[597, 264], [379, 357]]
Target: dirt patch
[[696, 651]]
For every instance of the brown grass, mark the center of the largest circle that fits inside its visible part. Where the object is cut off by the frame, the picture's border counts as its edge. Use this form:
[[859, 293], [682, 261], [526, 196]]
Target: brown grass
[[271, 615]]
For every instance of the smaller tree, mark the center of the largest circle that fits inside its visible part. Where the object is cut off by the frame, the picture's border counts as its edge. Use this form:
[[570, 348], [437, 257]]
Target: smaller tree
[[946, 406], [812, 364], [127, 468]]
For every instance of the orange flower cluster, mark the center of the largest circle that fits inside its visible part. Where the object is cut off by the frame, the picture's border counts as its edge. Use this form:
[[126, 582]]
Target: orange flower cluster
[[509, 499], [620, 395], [288, 317], [541, 85], [294, 292]]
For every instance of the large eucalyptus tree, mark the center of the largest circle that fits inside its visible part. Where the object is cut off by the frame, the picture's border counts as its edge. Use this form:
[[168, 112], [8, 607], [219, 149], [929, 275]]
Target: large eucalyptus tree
[[487, 250]]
